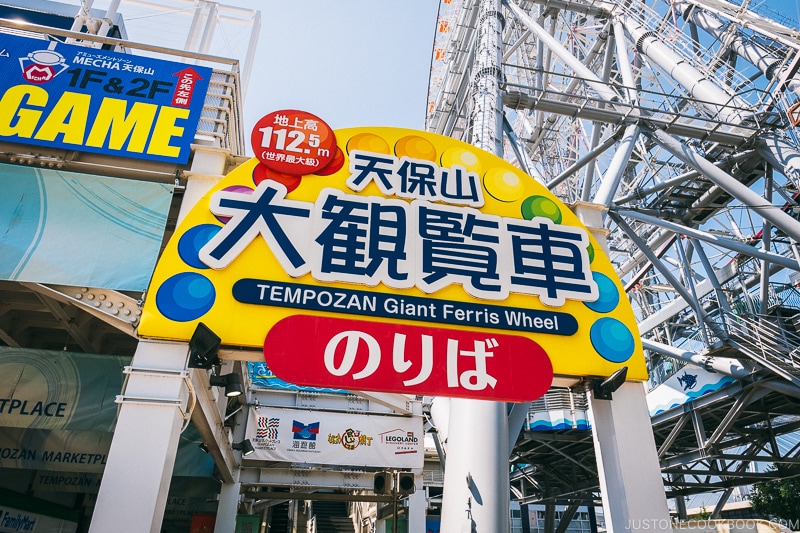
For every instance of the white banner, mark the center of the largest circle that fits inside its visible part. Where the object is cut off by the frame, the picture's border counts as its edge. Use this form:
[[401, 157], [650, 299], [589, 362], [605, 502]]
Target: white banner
[[79, 229], [328, 438], [688, 383]]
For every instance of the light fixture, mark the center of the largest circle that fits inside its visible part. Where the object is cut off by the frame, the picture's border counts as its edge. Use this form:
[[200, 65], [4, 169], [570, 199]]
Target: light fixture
[[246, 447], [603, 389], [232, 383], [382, 483], [405, 483], [203, 347]]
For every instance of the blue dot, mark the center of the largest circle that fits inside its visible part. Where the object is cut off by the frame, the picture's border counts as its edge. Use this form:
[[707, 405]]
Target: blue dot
[[190, 243], [612, 340], [609, 295], [185, 296]]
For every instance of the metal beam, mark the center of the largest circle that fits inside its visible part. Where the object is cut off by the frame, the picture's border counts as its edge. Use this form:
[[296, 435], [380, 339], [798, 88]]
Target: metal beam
[[112, 307], [573, 460], [566, 517], [8, 339], [745, 478], [759, 458], [586, 159], [679, 304], [210, 425], [743, 399], [607, 93], [67, 321], [401, 403], [594, 9], [673, 435], [709, 131], [659, 265], [723, 499], [708, 237], [782, 220], [306, 477], [318, 496], [699, 429], [677, 463], [685, 177]]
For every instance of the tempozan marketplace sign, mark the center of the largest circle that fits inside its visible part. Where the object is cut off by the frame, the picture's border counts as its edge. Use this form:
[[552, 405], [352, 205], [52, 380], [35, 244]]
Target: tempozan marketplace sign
[[393, 260]]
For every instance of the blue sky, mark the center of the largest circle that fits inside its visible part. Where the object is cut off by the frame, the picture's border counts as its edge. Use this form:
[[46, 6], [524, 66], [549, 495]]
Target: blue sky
[[787, 8], [351, 62]]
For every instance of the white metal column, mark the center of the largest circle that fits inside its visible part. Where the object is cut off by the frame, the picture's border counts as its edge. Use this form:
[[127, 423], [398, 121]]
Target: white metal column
[[627, 459], [476, 477], [142, 455], [228, 506], [476, 480], [416, 506], [627, 462]]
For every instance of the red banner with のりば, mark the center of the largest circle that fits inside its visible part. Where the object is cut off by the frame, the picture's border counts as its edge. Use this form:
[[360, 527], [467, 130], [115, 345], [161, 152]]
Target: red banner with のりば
[[352, 354]]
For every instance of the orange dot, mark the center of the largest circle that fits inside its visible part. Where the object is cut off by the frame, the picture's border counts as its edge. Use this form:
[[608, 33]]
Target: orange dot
[[368, 142], [415, 147]]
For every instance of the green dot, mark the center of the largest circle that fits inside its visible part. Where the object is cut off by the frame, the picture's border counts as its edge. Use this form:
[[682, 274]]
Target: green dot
[[590, 251], [541, 206]]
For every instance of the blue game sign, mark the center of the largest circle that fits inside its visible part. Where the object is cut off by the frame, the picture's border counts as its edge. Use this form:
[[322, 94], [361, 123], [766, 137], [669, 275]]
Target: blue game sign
[[94, 100]]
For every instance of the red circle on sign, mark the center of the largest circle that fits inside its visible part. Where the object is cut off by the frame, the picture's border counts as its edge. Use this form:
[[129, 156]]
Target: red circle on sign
[[293, 142], [261, 173], [334, 166]]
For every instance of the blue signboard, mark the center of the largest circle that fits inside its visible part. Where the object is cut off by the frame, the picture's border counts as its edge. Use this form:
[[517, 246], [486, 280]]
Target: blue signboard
[[93, 100]]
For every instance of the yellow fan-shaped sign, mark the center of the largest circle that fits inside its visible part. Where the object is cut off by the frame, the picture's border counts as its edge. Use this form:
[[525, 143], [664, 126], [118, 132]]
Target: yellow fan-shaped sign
[[398, 228]]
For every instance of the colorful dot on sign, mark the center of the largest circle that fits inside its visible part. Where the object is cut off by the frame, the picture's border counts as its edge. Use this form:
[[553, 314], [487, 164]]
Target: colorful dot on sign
[[336, 163], [612, 340], [503, 185], [415, 147], [185, 296], [262, 172], [368, 142], [460, 157], [590, 251], [541, 206], [233, 188], [609, 295], [193, 240]]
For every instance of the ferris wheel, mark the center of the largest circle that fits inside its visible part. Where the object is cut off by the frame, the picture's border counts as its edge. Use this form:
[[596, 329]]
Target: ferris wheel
[[678, 121]]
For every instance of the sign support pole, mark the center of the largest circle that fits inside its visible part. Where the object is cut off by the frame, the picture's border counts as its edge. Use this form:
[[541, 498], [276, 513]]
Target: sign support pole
[[394, 501], [228, 505], [476, 494], [416, 506], [145, 443], [627, 462], [627, 459]]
